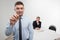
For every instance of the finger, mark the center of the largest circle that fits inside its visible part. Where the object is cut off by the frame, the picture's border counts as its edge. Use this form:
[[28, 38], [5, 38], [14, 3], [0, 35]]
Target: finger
[[17, 16], [13, 18]]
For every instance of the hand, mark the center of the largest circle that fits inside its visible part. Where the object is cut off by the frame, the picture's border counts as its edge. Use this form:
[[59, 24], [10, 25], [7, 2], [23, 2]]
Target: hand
[[14, 19], [37, 28]]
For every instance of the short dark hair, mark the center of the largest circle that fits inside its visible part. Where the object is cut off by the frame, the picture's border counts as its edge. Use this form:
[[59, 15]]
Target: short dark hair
[[19, 3], [37, 17]]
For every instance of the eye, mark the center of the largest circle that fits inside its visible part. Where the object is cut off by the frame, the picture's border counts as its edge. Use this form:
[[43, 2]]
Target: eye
[[21, 8], [17, 8]]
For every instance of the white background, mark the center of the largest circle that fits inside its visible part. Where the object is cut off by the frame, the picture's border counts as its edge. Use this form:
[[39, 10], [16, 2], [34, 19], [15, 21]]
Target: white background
[[48, 10]]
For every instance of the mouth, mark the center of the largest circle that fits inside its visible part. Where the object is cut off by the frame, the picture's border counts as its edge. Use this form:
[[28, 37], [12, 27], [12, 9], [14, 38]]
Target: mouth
[[20, 13]]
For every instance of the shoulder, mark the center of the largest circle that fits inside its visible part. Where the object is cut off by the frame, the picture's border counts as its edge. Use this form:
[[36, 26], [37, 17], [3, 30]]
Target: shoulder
[[39, 21], [34, 21]]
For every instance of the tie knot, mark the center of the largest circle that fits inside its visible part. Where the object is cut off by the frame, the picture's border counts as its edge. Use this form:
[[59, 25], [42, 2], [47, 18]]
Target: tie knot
[[20, 17]]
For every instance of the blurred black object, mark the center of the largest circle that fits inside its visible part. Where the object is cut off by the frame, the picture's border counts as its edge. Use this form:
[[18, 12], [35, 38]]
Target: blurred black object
[[52, 27]]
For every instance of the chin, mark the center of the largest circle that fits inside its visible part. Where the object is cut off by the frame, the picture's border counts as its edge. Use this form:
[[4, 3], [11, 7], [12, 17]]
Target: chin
[[20, 15]]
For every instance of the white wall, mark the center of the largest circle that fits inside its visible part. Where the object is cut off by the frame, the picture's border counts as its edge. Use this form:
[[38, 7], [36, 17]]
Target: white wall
[[48, 10], [6, 9]]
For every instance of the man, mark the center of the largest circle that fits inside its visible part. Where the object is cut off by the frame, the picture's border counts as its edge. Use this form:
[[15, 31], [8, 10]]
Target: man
[[20, 25], [37, 23]]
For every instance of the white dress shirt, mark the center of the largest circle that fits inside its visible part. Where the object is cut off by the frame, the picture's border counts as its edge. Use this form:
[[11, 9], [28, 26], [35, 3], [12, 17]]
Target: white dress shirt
[[27, 29]]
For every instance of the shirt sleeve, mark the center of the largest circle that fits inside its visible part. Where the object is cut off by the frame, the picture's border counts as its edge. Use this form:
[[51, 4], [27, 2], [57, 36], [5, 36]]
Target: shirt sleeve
[[40, 25], [9, 30], [34, 24], [30, 31]]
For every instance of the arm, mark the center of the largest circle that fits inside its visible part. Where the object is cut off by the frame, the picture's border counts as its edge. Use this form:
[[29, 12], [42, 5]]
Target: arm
[[10, 26], [34, 25], [30, 31], [40, 25], [9, 29]]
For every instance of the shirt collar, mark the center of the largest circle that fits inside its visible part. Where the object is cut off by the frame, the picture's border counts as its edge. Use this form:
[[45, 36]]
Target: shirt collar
[[22, 17]]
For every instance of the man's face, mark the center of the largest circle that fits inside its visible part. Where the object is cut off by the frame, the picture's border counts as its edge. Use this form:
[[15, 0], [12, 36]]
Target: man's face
[[19, 9]]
